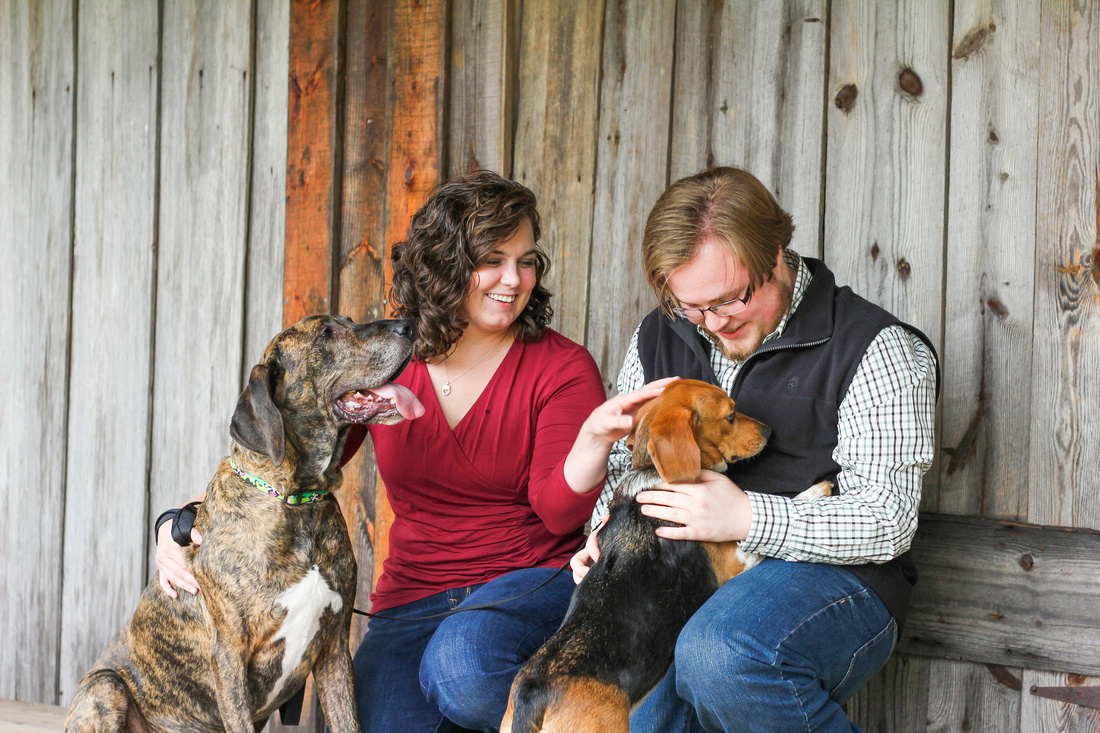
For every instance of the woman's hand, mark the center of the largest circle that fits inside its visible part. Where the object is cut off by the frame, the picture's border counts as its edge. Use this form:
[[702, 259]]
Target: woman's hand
[[586, 464], [170, 562], [714, 510], [613, 420], [587, 555]]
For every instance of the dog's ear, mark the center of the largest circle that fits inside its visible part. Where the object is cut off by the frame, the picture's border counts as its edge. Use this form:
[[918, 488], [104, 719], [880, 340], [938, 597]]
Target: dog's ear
[[672, 445], [638, 439], [257, 423]]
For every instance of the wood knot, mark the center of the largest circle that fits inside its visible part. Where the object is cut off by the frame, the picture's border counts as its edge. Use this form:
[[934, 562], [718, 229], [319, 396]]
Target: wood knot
[[909, 82], [846, 98], [1027, 562], [875, 252], [904, 269], [973, 41], [997, 307]]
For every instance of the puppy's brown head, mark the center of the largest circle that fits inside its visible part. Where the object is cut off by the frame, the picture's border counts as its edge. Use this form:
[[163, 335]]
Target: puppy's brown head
[[318, 377], [692, 425]]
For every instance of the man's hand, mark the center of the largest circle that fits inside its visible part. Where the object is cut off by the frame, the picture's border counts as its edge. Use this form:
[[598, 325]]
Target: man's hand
[[588, 555], [171, 565], [716, 510]]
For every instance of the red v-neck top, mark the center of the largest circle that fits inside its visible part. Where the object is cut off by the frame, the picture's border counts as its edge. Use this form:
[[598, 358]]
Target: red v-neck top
[[488, 496]]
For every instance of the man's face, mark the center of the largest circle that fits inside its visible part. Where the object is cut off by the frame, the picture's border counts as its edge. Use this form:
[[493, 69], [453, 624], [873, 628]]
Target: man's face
[[715, 275]]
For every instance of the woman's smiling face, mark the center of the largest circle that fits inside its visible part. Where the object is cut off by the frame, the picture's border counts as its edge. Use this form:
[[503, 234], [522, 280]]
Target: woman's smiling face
[[501, 288]]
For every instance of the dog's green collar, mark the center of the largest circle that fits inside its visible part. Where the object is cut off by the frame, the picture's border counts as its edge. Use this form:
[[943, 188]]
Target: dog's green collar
[[306, 497]]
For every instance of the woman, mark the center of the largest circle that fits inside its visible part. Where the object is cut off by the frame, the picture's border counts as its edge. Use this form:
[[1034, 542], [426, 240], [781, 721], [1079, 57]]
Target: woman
[[492, 486]]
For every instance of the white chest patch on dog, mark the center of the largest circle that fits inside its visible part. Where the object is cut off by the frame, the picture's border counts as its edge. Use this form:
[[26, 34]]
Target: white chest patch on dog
[[304, 603], [748, 559]]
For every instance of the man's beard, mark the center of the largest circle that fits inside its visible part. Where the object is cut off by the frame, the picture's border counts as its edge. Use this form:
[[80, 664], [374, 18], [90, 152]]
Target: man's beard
[[786, 297]]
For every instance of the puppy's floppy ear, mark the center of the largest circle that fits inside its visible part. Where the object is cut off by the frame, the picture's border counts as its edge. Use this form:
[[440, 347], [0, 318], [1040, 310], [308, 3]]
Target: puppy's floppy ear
[[672, 445], [638, 440], [257, 423]]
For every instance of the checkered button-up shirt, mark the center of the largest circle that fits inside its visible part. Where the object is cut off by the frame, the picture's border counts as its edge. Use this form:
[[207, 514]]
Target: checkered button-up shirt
[[885, 445]]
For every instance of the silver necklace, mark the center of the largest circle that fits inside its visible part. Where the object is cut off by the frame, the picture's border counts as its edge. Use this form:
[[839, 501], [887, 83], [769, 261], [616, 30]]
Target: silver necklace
[[447, 384]]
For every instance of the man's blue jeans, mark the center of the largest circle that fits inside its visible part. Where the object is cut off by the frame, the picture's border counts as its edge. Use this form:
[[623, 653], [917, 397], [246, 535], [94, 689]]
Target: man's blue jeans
[[778, 648], [410, 674]]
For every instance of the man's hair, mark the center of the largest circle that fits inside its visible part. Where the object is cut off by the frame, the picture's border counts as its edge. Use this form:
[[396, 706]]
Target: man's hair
[[729, 204], [452, 235]]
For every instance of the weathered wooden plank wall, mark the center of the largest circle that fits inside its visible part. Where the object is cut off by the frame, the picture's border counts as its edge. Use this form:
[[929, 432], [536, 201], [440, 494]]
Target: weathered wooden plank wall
[[36, 199], [772, 126], [942, 157], [142, 232], [108, 452], [555, 141]]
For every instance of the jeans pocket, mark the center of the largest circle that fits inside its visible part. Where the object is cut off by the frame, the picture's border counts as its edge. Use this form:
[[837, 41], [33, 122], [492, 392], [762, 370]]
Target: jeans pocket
[[867, 660]]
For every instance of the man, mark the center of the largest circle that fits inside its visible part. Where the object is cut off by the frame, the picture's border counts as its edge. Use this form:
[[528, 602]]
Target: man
[[849, 393]]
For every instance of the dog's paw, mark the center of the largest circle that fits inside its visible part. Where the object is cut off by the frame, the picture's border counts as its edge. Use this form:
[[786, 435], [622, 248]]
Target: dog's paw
[[817, 491]]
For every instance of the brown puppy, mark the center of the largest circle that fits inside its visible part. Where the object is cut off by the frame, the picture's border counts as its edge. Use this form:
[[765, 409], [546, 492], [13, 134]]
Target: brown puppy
[[618, 637], [276, 566]]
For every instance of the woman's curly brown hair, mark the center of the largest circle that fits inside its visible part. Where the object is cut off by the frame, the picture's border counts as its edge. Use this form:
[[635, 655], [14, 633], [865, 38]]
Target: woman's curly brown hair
[[450, 237]]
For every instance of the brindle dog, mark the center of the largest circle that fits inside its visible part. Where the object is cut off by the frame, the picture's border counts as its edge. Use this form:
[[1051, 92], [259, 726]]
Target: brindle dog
[[277, 572]]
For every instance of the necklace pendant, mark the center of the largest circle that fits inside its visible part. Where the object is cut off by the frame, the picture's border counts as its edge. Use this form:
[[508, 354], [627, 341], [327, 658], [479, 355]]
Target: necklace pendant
[[446, 389]]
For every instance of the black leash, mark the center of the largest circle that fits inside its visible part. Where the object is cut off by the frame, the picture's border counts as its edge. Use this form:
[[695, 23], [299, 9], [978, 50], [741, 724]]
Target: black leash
[[475, 607]]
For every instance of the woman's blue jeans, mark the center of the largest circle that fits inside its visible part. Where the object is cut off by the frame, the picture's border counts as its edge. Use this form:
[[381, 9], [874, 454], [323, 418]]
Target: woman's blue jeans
[[409, 675], [778, 648]]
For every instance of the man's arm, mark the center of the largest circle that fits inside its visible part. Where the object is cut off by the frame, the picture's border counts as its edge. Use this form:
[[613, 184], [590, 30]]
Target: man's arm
[[885, 445]]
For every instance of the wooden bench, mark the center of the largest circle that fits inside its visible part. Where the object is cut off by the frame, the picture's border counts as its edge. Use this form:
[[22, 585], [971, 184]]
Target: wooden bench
[[30, 717]]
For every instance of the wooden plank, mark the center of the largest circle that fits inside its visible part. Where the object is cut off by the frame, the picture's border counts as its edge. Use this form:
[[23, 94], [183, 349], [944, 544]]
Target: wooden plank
[[895, 699], [313, 148], [886, 158], [483, 67], [916, 694], [990, 260], [107, 457], [202, 244], [631, 171], [414, 165], [363, 257], [263, 305], [1043, 714], [966, 696], [313, 164], [36, 240], [1065, 390], [750, 88], [25, 717], [555, 151], [1010, 594]]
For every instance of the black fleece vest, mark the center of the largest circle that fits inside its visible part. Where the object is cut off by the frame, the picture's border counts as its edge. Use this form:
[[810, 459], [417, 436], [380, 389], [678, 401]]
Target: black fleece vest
[[795, 385]]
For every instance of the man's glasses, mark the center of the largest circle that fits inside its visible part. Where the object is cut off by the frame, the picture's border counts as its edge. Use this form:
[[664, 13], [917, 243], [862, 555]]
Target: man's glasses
[[722, 310]]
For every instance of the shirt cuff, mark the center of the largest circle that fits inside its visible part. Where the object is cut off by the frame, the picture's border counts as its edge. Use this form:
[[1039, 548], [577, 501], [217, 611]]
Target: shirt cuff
[[771, 521]]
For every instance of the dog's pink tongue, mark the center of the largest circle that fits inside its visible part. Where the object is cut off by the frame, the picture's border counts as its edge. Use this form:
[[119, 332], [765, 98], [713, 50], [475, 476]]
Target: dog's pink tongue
[[407, 404]]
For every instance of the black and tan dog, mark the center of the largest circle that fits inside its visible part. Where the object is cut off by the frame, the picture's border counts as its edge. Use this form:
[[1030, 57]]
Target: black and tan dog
[[618, 637], [275, 566]]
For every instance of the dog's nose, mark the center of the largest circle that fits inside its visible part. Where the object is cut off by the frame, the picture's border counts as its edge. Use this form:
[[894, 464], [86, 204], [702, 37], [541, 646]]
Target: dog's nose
[[403, 327], [767, 432]]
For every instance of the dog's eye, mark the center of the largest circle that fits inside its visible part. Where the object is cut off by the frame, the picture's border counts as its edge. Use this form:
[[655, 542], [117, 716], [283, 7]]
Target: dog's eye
[[731, 417]]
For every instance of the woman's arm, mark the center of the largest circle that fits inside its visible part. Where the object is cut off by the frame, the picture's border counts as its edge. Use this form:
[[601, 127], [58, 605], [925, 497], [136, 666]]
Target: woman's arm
[[171, 566]]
